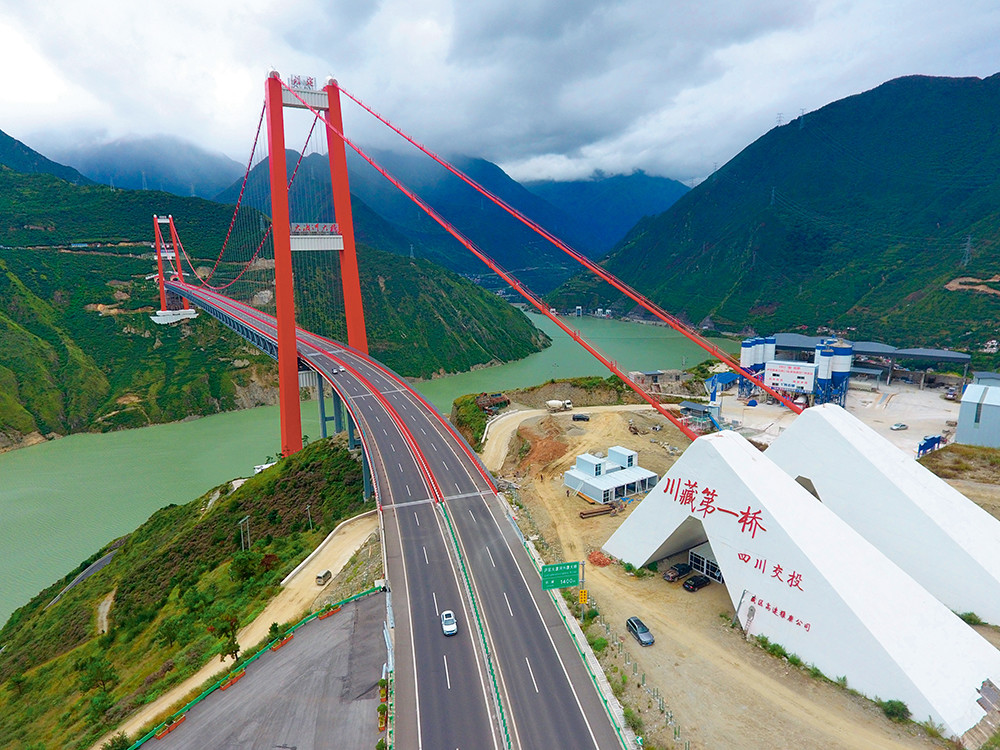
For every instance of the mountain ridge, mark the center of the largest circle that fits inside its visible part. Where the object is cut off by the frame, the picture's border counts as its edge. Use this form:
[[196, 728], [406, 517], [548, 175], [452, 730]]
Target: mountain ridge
[[855, 216]]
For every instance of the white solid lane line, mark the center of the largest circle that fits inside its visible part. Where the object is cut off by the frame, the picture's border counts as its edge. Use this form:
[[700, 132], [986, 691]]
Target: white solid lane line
[[529, 672]]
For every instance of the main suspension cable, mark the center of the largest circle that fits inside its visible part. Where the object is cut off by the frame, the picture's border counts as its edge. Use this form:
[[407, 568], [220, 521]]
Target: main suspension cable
[[605, 275], [522, 290]]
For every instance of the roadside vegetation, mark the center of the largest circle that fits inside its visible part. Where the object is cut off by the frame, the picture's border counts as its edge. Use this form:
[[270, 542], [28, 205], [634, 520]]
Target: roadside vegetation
[[182, 588], [969, 462]]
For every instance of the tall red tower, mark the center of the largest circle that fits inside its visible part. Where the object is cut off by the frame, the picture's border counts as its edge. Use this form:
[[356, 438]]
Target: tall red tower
[[353, 309], [276, 98], [288, 357]]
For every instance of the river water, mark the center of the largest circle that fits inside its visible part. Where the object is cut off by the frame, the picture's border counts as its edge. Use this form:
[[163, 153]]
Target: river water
[[61, 501]]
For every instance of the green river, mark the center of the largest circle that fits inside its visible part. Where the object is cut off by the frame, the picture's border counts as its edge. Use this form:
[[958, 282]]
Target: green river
[[62, 500]]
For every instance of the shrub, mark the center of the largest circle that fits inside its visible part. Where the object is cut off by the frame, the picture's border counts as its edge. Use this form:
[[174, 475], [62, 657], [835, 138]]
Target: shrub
[[776, 649], [895, 710], [119, 742], [599, 645], [633, 720], [971, 618]]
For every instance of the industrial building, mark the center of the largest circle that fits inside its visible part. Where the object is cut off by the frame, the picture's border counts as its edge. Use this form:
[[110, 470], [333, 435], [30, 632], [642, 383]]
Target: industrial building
[[801, 575], [606, 479], [826, 379], [979, 415]]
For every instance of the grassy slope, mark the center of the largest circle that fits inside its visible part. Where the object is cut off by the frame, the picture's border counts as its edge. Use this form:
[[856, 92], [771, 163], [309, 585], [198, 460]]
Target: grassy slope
[[174, 586]]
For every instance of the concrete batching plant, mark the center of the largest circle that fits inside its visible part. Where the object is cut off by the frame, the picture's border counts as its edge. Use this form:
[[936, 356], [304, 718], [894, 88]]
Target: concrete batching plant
[[826, 379]]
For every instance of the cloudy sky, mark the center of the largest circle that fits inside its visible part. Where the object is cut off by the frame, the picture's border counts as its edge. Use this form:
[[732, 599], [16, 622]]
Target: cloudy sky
[[546, 88]]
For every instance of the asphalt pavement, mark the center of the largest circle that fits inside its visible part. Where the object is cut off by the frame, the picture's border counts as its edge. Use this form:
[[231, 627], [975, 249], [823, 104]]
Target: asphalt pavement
[[318, 691]]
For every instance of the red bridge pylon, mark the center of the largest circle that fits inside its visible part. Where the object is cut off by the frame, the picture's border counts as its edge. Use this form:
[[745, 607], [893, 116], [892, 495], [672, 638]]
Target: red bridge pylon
[[276, 98]]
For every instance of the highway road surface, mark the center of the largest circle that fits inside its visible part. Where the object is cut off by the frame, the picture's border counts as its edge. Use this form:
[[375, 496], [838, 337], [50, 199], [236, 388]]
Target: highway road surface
[[422, 471]]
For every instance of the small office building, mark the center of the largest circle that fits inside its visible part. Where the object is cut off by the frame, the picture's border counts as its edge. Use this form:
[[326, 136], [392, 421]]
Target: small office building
[[605, 479], [979, 416]]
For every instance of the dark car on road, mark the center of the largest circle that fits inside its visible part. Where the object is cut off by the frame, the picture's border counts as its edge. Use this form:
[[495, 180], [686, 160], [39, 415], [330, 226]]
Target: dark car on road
[[676, 572], [636, 627], [697, 582], [581, 417]]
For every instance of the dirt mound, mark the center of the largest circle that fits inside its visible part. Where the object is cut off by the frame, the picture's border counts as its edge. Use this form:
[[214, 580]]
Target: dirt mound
[[535, 398]]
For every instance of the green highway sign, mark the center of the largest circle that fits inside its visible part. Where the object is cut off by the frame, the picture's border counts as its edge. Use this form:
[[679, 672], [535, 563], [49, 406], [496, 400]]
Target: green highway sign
[[560, 575]]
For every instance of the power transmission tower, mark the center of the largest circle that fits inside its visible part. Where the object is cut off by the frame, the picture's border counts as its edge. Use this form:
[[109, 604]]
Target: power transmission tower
[[967, 256]]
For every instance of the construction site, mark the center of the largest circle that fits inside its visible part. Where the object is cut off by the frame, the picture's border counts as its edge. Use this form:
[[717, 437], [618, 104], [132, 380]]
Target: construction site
[[702, 670]]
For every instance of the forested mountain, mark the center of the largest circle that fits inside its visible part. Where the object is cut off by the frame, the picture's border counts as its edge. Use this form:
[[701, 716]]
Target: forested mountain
[[380, 208], [153, 163], [20, 158], [879, 212], [605, 207], [78, 351], [591, 215]]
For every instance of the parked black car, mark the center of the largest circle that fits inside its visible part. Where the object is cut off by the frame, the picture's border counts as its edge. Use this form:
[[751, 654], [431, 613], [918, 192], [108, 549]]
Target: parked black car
[[636, 627], [697, 582], [581, 417], [676, 572]]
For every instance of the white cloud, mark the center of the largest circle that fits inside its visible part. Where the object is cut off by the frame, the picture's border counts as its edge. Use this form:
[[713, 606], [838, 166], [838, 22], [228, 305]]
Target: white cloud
[[543, 87]]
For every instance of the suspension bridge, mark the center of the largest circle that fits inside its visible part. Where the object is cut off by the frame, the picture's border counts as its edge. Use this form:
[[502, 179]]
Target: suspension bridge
[[513, 678]]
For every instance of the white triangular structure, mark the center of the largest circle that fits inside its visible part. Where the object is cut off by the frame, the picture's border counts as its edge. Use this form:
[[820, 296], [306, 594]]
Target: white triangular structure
[[801, 576], [942, 539]]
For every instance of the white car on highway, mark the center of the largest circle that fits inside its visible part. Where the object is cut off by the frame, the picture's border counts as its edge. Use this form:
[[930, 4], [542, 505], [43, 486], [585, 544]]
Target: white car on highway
[[449, 625]]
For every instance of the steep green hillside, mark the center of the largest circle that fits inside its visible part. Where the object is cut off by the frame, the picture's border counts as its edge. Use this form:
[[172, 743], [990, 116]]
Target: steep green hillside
[[856, 215], [78, 351], [44, 211], [421, 319], [177, 581], [20, 158]]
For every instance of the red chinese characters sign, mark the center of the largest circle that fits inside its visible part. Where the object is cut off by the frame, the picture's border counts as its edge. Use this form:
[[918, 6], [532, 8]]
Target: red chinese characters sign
[[302, 82], [775, 570], [703, 501], [775, 610]]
